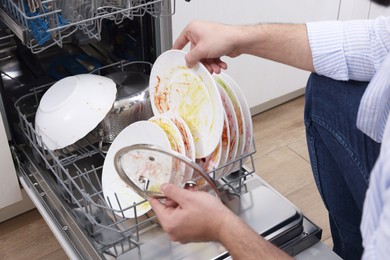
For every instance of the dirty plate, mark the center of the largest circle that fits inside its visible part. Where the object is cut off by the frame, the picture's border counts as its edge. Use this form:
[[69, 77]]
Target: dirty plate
[[117, 194], [248, 125], [233, 129], [240, 119], [172, 132], [191, 93], [185, 133]]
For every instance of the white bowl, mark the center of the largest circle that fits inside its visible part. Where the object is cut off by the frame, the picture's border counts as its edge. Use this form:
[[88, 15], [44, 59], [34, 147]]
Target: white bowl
[[73, 107]]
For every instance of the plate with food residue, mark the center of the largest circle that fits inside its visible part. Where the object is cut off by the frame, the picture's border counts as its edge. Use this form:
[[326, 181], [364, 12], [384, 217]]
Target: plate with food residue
[[248, 124], [240, 120], [117, 193], [192, 94], [185, 133]]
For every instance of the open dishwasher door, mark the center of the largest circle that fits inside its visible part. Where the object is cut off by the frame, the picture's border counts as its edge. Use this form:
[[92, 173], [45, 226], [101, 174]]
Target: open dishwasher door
[[264, 209]]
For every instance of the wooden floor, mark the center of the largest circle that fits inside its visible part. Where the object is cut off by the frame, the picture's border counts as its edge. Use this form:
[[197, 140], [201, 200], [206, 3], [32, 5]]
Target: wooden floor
[[281, 160]]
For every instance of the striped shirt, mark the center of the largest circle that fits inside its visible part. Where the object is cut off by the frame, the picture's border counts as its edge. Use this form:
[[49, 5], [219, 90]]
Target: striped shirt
[[360, 50]]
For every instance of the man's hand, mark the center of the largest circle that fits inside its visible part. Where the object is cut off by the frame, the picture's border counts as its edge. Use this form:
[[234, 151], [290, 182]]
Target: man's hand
[[197, 216], [209, 42]]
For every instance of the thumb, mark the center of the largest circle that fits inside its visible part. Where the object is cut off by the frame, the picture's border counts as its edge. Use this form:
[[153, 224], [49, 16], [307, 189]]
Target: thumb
[[174, 193], [193, 57]]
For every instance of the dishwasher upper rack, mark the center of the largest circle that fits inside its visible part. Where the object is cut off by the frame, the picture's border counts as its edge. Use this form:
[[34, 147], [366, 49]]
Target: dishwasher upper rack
[[41, 24], [76, 171]]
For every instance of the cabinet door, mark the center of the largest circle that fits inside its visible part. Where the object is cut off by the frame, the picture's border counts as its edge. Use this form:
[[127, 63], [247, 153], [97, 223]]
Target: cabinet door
[[262, 81], [9, 185], [354, 9]]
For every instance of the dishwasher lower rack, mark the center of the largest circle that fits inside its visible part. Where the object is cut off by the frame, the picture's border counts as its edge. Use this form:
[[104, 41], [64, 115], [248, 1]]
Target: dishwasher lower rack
[[41, 24], [76, 172]]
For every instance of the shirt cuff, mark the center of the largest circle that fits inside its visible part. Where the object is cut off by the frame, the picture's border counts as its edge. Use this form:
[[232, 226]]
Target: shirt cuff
[[326, 43]]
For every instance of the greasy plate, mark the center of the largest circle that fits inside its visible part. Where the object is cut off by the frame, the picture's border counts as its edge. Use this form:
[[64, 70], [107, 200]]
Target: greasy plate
[[184, 131], [233, 129], [240, 119], [211, 162], [248, 124], [141, 132], [191, 93], [225, 142], [172, 132]]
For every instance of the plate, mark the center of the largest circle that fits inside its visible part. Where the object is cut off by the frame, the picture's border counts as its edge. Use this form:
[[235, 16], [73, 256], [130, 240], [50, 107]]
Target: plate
[[233, 129], [141, 132], [175, 140], [225, 141], [240, 120], [211, 162], [191, 93], [248, 124], [185, 132], [172, 132]]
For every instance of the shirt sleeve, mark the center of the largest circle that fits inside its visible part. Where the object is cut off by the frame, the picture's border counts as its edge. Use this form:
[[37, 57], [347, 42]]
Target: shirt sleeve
[[345, 50], [375, 225]]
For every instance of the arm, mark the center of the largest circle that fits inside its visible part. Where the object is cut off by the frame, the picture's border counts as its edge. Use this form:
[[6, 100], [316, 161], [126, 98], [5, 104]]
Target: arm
[[284, 43], [341, 50], [375, 225], [199, 216]]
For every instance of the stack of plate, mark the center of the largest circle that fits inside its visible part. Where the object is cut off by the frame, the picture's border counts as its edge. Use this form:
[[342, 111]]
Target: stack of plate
[[200, 116], [213, 107]]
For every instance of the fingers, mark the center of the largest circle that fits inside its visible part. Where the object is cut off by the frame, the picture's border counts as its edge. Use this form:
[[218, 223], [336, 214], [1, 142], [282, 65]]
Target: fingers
[[180, 42], [193, 57], [175, 196], [174, 193], [157, 206], [214, 65], [170, 203], [223, 65]]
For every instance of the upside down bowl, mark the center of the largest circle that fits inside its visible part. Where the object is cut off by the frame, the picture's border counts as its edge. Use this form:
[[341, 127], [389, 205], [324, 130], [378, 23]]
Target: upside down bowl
[[73, 107]]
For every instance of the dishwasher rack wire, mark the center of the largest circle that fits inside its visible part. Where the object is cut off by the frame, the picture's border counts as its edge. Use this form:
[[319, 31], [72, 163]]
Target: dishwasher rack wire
[[41, 24], [77, 170]]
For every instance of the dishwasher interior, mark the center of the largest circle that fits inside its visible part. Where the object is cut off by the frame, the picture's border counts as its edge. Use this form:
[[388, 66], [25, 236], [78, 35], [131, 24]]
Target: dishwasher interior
[[67, 182]]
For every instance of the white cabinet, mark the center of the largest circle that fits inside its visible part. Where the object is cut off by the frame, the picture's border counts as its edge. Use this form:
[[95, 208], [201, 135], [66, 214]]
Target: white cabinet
[[354, 9], [361, 9], [377, 10], [9, 185], [263, 82]]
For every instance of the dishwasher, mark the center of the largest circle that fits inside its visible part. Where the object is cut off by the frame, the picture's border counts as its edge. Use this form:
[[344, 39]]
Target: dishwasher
[[44, 42]]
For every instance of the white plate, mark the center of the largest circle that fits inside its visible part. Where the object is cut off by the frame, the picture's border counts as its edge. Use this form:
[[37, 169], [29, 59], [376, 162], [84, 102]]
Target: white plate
[[141, 132], [246, 111], [225, 141], [172, 132], [233, 129], [191, 93], [211, 162], [240, 119], [185, 133], [174, 137]]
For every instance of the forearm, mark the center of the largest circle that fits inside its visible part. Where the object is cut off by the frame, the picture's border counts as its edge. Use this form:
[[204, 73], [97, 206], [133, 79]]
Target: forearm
[[244, 243], [284, 43]]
